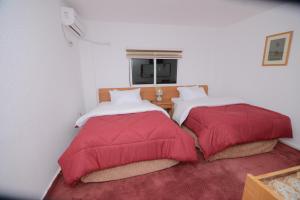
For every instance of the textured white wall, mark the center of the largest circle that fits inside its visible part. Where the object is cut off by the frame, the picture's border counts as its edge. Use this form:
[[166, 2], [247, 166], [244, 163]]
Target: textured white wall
[[238, 57], [40, 95], [107, 66]]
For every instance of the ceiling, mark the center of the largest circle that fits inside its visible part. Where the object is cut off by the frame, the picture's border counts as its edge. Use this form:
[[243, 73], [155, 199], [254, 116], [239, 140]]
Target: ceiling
[[209, 13]]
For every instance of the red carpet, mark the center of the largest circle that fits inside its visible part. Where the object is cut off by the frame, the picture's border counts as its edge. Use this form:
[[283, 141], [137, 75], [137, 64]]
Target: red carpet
[[218, 180]]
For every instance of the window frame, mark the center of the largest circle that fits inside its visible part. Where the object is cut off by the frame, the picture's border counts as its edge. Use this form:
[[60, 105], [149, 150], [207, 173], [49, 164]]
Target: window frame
[[154, 73]]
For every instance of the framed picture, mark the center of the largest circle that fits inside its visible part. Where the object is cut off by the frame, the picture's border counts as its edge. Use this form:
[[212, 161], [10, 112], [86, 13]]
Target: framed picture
[[277, 49]]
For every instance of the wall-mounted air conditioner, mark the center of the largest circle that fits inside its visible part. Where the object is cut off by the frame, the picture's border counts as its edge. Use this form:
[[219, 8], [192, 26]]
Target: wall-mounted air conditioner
[[71, 20]]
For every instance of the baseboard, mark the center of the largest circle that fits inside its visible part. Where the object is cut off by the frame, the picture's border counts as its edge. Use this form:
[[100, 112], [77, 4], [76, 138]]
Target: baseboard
[[293, 145], [51, 182]]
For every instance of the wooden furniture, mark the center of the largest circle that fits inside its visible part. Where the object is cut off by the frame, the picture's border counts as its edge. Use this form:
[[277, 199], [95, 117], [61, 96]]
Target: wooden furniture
[[147, 92], [257, 189], [167, 105]]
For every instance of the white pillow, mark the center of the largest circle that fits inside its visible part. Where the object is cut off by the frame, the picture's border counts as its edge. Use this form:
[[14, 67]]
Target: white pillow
[[176, 100], [125, 96], [189, 93]]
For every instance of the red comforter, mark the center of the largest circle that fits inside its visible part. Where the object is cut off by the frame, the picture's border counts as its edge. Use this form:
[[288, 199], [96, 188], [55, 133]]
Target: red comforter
[[109, 141], [220, 127]]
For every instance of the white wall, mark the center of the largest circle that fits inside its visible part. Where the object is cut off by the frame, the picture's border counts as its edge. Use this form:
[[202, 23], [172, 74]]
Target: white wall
[[40, 95], [40, 90], [107, 66], [238, 57]]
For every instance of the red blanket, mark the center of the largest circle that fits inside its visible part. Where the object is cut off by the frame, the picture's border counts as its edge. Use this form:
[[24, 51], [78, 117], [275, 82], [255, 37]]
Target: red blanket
[[109, 141], [220, 127]]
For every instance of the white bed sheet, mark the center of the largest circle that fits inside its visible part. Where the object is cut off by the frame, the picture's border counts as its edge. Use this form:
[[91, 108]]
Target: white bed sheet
[[108, 108], [182, 108]]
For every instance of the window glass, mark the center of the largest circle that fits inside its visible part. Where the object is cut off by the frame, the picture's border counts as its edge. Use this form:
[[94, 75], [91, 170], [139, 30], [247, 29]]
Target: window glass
[[142, 71], [166, 71]]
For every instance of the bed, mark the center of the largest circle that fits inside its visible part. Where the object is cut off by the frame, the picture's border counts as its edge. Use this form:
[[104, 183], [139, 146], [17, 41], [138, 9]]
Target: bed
[[229, 127], [118, 141]]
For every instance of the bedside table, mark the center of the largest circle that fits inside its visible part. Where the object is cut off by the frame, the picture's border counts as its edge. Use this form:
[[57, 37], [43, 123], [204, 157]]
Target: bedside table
[[167, 105]]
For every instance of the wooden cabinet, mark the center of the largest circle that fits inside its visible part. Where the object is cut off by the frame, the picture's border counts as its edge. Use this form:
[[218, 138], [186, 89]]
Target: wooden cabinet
[[258, 187], [167, 105]]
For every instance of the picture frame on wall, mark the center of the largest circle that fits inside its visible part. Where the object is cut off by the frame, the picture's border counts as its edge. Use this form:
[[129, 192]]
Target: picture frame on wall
[[277, 49]]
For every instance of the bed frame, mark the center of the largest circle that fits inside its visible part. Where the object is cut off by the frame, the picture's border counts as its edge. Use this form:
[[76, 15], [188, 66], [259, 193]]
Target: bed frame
[[147, 93]]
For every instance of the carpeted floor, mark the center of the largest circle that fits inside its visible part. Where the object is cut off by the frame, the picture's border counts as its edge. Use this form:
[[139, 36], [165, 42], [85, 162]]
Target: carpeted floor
[[223, 179]]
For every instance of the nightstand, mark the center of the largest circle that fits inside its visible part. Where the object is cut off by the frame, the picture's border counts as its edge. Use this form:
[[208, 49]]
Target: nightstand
[[167, 105]]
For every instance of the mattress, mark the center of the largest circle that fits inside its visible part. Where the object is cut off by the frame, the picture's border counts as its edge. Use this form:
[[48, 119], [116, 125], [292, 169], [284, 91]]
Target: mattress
[[129, 170], [237, 151]]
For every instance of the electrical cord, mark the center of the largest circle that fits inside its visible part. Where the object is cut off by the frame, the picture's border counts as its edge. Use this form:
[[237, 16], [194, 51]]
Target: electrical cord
[[96, 42], [70, 43]]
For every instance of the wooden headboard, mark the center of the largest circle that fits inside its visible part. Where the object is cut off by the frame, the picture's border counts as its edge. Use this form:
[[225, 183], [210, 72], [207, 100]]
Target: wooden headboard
[[147, 92]]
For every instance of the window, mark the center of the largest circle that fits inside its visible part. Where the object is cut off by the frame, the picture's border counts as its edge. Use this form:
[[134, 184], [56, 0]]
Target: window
[[153, 67], [142, 71], [166, 71]]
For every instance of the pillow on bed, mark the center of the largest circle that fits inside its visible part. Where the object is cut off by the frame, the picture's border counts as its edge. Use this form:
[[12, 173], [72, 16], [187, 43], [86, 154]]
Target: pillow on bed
[[125, 96], [176, 100], [189, 93]]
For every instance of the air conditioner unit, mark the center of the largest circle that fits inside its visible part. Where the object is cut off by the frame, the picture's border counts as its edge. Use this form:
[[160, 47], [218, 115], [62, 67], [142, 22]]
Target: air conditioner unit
[[70, 19]]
